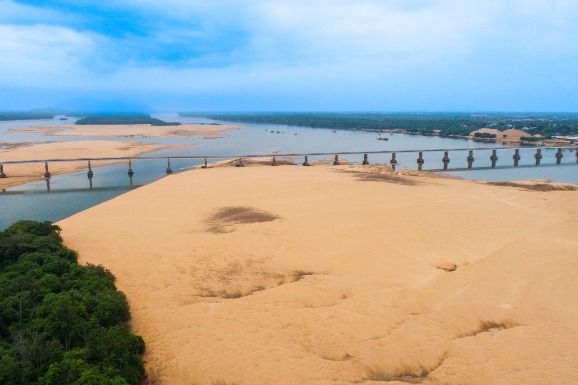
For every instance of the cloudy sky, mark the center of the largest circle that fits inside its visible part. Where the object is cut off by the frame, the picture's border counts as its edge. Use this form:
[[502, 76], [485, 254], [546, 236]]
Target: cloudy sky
[[300, 55]]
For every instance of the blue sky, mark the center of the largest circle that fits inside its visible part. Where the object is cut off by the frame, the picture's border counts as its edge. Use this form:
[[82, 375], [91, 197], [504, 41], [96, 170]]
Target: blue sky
[[278, 55]]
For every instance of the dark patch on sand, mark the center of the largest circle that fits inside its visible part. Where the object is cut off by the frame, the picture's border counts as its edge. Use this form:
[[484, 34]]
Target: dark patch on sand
[[225, 217], [535, 187], [382, 177], [409, 376], [489, 326]]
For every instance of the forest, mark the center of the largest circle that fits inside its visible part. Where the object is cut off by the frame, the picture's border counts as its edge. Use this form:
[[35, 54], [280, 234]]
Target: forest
[[443, 124], [124, 119], [61, 323], [24, 115]]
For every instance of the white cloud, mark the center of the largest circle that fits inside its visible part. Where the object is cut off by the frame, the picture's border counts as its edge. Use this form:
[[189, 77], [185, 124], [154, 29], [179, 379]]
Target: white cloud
[[338, 48], [31, 53]]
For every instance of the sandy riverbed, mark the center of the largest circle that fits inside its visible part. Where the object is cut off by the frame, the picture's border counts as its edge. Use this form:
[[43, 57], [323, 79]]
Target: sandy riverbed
[[322, 275], [90, 148], [28, 172], [205, 131]]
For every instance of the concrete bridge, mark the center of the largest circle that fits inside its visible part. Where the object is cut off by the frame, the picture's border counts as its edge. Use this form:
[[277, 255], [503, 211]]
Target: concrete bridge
[[500, 158]]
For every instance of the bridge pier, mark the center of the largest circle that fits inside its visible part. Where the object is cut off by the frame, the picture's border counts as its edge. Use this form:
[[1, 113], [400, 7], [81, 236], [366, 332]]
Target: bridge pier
[[393, 161], [559, 156], [46, 173], [90, 175], [306, 162], [494, 158], [420, 161], [538, 156], [516, 157], [2, 175], [169, 169], [130, 170], [336, 161], [470, 159], [446, 160]]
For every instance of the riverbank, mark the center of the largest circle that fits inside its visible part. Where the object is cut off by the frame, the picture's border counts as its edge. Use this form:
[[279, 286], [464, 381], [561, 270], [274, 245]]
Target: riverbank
[[330, 275]]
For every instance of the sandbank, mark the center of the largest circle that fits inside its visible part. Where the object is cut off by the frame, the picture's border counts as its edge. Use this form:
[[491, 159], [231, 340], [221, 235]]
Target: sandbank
[[206, 131], [325, 275], [23, 173]]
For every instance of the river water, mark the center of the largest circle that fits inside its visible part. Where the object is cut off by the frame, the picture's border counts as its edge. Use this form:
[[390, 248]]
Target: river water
[[71, 193]]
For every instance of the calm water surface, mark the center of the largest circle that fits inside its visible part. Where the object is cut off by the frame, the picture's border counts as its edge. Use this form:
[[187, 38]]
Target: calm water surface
[[69, 194]]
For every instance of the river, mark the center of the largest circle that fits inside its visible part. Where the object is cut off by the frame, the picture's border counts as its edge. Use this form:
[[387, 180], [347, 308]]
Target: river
[[71, 193]]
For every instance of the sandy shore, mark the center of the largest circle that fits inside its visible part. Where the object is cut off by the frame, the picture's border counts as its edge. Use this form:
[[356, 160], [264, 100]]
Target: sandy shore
[[23, 173], [133, 130], [321, 275]]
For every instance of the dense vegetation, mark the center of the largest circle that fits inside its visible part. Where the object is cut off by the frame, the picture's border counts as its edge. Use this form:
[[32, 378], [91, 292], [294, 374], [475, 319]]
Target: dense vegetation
[[24, 115], [61, 323], [124, 119], [444, 124], [484, 135]]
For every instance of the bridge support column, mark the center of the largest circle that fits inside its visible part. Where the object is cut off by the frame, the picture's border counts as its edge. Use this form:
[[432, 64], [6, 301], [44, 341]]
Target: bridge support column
[[494, 158], [516, 157], [446, 160], [336, 161], [306, 162], [420, 161], [365, 160], [393, 161], [169, 169], [46, 172], [538, 156], [559, 156], [470, 159], [2, 175], [130, 170], [90, 175]]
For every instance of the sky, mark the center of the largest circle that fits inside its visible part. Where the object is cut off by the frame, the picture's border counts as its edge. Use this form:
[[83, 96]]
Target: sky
[[297, 55]]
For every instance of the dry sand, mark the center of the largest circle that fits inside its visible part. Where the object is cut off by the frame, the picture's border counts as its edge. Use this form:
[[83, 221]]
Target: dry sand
[[28, 172], [206, 131], [319, 275]]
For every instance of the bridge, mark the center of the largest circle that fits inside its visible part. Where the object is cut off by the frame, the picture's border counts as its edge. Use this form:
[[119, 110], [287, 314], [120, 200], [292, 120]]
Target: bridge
[[500, 158]]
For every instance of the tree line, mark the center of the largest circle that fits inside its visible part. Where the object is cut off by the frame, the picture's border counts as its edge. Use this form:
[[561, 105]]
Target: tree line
[[61, 323], [444, 124], [124, 119]]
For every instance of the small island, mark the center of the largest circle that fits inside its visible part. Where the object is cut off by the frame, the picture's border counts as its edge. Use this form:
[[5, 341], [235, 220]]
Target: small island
[[110, 120]]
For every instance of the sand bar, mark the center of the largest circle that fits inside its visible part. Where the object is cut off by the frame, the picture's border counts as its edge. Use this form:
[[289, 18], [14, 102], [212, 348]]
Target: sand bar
[[22, 173], [321, 275], [205, 131]]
